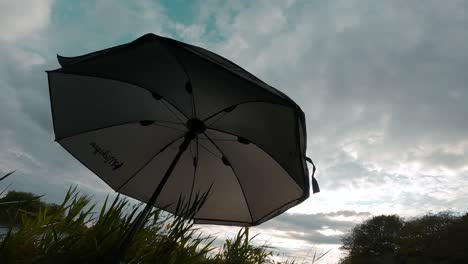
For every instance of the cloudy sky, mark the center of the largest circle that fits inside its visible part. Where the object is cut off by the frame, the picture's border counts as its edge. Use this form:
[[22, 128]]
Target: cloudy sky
[[383, 85]]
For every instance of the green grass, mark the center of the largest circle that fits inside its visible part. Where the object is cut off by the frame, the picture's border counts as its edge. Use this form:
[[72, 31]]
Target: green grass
[[74, 234], [76, 231]]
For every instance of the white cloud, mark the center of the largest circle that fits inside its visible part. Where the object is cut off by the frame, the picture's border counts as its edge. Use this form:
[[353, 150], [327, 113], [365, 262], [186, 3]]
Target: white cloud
[[189, 32], [20, 18]]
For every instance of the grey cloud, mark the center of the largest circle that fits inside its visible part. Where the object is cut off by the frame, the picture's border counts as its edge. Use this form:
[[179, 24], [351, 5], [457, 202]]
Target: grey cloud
[[384, 79], [306, 226], [314, 221], [314, 237], [445, 159], [300, 227], [353, 64], [347, 172]]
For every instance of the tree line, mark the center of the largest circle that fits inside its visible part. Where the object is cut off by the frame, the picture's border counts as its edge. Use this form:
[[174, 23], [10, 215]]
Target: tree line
[[432, 238]]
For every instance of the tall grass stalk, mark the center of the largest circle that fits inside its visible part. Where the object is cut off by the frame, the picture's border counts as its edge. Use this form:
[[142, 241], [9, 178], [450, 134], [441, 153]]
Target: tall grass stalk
[[73, 234], [77, 232]]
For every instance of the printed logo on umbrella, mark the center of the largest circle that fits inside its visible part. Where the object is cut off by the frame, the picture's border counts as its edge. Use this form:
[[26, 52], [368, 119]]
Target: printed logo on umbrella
[[107, 156]]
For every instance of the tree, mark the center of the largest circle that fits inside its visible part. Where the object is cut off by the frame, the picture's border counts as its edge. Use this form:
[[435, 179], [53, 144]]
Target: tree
[[432, 238], [426, 239], [373, 241], [435, 238], [457, 234], [15, 204]]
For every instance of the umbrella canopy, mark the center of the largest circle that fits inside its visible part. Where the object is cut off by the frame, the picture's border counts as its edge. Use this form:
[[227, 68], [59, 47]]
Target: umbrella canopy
[[156, 107]]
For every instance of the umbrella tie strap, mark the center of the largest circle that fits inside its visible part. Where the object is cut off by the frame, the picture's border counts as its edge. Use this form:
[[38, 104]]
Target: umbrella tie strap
[[315, 186]]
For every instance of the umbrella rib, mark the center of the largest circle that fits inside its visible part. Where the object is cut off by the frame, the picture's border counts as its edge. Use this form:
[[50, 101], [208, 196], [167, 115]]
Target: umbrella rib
[[171, 111], [191, 151], [148, 162], [235, 105], [169, 122], [222, 220], [195, 165], [194, 109], [217, 119], [169, 127], [235, 174], [221, 139], [260, 220], [208, 150], [114, 125]]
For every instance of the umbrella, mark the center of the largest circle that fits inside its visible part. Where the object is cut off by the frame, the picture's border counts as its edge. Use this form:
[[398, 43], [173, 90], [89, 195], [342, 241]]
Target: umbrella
[[157, 119]]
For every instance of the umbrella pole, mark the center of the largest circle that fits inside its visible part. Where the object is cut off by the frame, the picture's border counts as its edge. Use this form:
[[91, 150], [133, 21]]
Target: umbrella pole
[[141, 217]]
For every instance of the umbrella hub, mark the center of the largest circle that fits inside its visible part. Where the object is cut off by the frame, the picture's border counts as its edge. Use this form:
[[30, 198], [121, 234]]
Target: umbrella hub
[[196, 126]]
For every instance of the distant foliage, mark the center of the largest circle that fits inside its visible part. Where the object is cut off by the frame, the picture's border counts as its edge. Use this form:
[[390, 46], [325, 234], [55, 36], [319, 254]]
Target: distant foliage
[[433, 238], [15, 205]]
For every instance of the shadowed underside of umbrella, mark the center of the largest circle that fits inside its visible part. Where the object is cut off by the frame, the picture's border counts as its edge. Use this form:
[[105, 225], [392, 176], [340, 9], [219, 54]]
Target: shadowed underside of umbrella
[[128, 111]]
